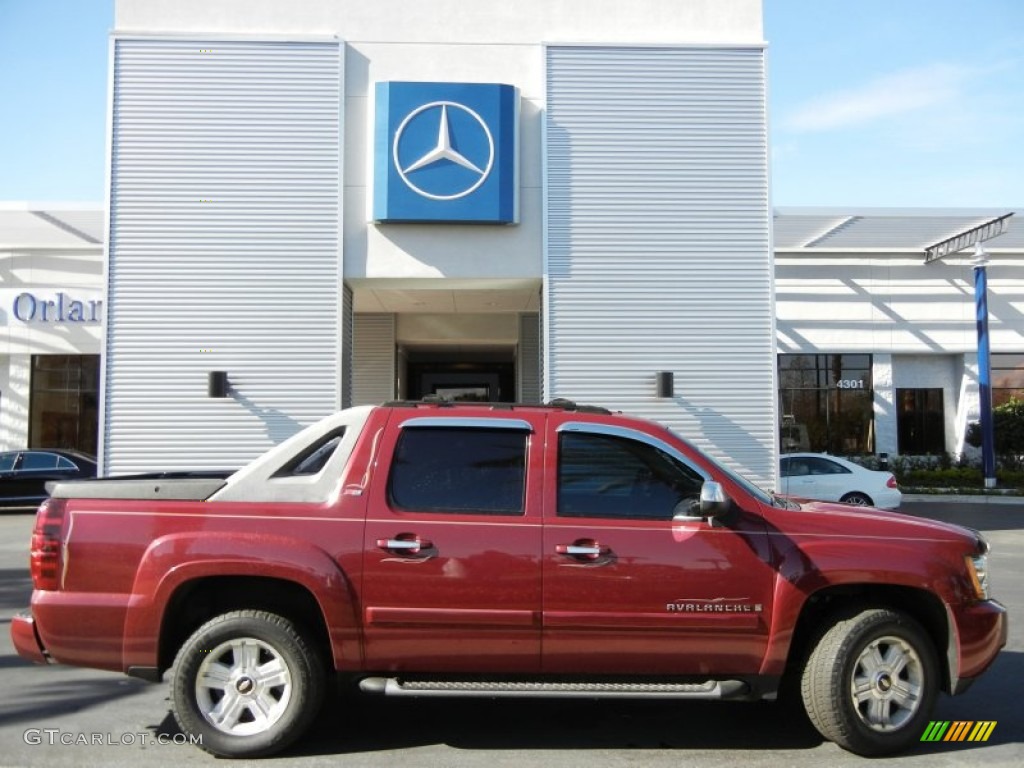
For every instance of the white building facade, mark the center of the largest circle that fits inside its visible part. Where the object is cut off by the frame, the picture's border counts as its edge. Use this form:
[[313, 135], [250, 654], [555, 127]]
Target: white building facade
[[330, 202], [51, 316], [876, 351]]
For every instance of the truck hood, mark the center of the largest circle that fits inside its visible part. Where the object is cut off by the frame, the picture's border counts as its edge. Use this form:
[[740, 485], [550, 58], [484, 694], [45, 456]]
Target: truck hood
[[831, 517]]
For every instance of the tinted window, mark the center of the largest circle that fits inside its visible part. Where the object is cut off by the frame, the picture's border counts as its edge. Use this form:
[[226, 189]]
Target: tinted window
[[826, 467], [1007, 379], [314, 458], [921, 420], [801, 466], [615, 477], [36, 460], [441, 469], [813, 389], [7, 461], [65, 463], [795, 467], [63, 407]]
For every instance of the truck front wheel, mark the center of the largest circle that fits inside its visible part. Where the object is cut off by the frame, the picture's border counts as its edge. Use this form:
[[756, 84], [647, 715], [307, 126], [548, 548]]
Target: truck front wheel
[[870, 683], [247, 683]]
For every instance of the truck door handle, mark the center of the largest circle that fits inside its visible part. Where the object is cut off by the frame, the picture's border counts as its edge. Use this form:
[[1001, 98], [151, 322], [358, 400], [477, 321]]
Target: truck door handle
[[585, 550], [411, 546]]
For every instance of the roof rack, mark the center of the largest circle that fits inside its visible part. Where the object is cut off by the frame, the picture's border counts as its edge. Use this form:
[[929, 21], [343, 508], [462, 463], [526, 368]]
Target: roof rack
[[559, 403], [565, 404]]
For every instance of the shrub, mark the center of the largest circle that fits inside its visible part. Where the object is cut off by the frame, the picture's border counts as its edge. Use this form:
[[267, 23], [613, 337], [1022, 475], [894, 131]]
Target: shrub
[[1007, 428]]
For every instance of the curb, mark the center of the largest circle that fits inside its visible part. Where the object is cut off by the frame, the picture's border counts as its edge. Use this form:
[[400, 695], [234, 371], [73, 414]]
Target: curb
[[963, 498]]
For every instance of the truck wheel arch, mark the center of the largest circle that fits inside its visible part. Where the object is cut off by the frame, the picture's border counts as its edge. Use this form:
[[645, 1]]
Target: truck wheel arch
[[198, 600], [829, 604], [175, 597]]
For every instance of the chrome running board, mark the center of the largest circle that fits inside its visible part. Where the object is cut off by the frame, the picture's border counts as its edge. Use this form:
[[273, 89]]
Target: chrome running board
[[711, 689]]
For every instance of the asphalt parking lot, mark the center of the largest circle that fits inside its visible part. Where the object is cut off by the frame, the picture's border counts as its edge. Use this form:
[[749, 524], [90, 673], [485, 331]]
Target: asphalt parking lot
[[126, 722]]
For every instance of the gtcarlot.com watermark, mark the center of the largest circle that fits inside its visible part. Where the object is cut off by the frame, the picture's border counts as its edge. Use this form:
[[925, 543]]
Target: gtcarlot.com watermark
[[57, 737]]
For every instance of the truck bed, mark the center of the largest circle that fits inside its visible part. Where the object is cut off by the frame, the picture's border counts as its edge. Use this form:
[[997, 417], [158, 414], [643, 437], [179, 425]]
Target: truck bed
[[159, 486]]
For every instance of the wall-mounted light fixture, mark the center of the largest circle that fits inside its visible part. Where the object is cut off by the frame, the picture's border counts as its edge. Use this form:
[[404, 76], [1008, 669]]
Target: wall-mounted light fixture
[[666, 384], [217, 384]]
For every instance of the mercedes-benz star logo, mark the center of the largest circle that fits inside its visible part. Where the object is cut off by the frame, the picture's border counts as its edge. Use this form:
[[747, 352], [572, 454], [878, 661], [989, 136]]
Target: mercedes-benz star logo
[[446, 154]]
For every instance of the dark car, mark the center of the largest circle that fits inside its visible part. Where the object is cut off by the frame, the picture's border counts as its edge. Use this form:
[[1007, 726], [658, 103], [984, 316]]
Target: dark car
[[24, 474]]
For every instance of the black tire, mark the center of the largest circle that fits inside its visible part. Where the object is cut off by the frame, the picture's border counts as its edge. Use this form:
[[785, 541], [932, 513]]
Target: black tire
[[890, 662], [858, 499], [273, 684]]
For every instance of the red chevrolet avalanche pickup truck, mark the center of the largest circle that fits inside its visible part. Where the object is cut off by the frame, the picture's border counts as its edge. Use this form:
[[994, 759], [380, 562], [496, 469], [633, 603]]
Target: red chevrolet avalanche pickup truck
[[436, 550]]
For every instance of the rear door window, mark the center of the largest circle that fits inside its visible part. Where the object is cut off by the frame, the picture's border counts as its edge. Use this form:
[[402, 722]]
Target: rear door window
[[825, 467], [36, 460], [461, 470]]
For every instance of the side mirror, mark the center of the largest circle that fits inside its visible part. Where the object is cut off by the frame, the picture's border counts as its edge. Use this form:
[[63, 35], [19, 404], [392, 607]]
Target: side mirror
[[713, 500]]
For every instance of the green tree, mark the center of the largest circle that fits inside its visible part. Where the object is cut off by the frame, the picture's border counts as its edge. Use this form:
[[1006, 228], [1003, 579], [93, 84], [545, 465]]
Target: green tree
[[1008, 426]]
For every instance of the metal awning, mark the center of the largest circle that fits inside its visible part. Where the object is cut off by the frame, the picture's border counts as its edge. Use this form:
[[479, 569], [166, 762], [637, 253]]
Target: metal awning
[[35, 226]]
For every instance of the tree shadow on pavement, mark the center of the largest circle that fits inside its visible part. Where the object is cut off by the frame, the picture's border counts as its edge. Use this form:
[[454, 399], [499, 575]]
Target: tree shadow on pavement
[[369, 725], [51, 700], [15, 589]]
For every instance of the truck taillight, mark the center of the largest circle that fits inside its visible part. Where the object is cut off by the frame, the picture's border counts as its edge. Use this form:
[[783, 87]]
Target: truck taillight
[[44, 557], [891, 482]]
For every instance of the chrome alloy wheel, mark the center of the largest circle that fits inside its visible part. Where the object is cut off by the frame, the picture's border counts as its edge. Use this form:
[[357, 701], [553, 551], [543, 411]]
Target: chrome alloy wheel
[[886, 684], [243, 686]]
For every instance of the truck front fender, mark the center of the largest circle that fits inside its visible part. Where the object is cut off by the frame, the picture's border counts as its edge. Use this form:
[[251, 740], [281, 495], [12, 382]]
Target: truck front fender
[[850, 570], [176, 560]]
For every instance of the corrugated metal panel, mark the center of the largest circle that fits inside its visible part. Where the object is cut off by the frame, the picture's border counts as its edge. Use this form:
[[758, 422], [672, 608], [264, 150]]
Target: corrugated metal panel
[[224, 248], [528, 359], [895, 230], [373, 359], [900, 231], [346, 347], [657, 234], [541, 355], [35, 227], [796, 231]]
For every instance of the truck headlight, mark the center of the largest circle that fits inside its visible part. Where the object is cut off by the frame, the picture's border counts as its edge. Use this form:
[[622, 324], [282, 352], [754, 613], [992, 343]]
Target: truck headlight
[[977, 567]]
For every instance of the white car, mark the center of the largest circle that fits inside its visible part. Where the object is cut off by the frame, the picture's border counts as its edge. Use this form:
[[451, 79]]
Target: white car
[[829, 478]]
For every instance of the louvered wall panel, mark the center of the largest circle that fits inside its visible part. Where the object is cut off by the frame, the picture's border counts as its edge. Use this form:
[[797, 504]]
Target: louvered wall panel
[[658, 255], [224, 248], [528, 359], [346, 346], [373, 359]]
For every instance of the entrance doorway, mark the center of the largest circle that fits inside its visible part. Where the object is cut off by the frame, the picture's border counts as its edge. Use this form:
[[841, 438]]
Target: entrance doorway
[[476, 375], [462, 340]]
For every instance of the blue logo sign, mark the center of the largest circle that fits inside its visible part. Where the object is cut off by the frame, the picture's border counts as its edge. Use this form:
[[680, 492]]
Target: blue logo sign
[[446, 152]]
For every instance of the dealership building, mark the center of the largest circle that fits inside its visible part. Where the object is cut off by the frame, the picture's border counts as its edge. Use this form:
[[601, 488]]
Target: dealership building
[[875, 350], [323, 203]]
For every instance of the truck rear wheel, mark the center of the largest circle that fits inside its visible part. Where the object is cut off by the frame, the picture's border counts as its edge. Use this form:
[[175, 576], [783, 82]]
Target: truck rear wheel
[[870, 683], [248, 683]]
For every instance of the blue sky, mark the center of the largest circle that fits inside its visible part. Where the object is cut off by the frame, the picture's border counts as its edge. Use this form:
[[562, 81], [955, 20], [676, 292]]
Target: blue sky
[[871, 103], [896, 102]]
